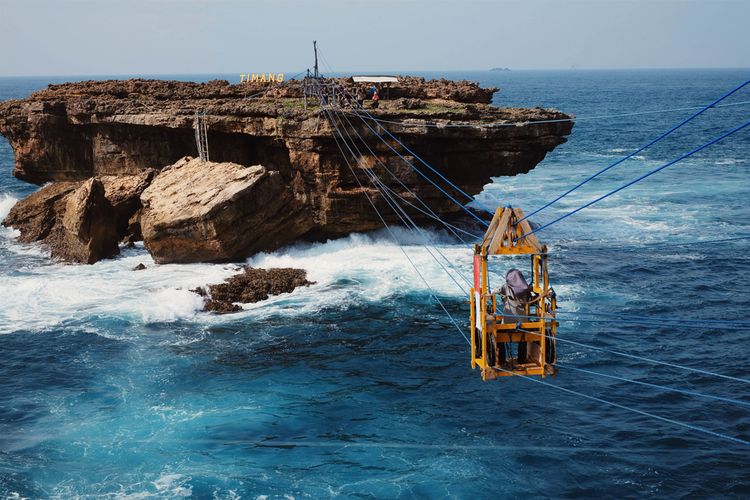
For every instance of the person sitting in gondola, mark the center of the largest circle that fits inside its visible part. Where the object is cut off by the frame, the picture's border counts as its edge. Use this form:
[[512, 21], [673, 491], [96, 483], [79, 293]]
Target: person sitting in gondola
[[516, 294]]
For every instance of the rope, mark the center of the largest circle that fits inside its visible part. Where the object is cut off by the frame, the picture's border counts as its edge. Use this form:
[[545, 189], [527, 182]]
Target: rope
[[635, 410], [468, 196], [415, 155], [694, 321], [642, 148], [395, 207], [446, 224], [390, 231], [641, 358], [382, 164], [656, 386], [648, 174], [537, 122], [666, 322], [665, 244], [411, 165]]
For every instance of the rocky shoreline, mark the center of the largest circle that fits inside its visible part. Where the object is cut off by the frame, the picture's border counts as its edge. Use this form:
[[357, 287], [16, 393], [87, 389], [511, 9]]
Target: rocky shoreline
[[116, 161]]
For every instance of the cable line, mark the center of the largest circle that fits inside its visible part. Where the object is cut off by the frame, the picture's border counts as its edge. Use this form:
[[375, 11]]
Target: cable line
[[471, 198], [656, 386], [403, 215], [485, 223], [696, 428], [724, 322], [642, 148], [647, 174], [641, 358], [662, 244], [537, 122], [382, 164], [387, 201], [398, 210]]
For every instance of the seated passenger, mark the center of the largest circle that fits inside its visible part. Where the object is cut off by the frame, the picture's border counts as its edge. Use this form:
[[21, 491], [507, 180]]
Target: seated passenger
[[516, 294]]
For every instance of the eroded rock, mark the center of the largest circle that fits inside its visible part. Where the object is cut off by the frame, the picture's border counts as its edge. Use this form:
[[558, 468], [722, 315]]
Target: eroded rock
[[196, 211], [124, 194], [36, 215], [118, 130], [251, 285], [74, 220]]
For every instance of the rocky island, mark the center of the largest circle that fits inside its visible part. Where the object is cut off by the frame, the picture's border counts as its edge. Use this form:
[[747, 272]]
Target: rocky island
[[116, 159]]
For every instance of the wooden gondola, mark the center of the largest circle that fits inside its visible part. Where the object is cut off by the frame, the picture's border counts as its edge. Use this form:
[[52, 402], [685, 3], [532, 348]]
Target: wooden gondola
[[494, 332]]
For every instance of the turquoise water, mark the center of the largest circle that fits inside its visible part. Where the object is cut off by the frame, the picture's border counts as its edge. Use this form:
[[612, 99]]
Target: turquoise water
[[113, 384]]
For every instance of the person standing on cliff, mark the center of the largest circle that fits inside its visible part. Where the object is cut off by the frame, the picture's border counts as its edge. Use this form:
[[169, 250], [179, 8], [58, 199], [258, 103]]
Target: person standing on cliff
[[375, 100], [361, 97]]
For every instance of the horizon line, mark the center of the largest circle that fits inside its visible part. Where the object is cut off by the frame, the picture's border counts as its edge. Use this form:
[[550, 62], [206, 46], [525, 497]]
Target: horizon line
[[365, 72]]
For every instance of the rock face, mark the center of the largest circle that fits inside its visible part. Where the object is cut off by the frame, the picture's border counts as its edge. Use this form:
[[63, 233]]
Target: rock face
[[124, 194], [110, 129], [75, 220], [252, 285], [205, 211]]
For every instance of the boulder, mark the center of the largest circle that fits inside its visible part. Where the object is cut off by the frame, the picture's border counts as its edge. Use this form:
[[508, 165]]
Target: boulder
[[124, 194], [198, 211], [75, 220], [86, 232], [37, 214]]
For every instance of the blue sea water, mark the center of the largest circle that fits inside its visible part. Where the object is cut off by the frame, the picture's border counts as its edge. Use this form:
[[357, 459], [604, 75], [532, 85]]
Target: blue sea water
[[112, 384]]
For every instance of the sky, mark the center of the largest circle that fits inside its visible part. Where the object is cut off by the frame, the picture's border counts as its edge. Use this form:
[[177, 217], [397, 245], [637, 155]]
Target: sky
[[111, 37]]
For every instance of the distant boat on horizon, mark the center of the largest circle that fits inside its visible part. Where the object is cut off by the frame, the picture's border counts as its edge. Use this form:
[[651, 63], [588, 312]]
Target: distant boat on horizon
[[500, 69]]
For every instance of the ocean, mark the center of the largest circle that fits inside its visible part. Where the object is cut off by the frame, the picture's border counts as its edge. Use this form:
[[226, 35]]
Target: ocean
[[113, 384]]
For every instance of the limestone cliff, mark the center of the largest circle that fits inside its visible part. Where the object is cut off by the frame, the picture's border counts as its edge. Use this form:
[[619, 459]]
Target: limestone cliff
[[75, 131]]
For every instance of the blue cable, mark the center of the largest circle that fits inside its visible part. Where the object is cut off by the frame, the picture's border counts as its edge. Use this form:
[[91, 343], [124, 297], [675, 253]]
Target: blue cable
[[420, 172], [382, 164], [418, 158], [737, 325], [388, 228], [660, 318], [648, 174], [641, 358], [415, 155], [662, 136], [656, 386], [634, 410], [399, 211]]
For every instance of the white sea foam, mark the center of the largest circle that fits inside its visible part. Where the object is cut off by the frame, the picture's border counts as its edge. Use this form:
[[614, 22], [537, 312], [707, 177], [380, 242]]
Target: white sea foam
[[54, 294], [729, 161], [347, 271], [6, 203]]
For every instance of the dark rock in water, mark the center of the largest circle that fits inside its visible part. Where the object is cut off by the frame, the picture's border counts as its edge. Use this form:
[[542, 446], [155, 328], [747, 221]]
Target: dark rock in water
[[139, 267], [221, 307], [252, 285], [75, 220]]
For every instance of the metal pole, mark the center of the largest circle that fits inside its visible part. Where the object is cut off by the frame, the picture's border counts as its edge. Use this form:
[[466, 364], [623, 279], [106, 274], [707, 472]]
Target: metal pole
[[315, 48]]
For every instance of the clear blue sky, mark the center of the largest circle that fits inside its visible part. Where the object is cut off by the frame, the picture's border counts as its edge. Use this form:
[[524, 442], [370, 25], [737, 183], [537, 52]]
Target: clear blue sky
[[85, 37]]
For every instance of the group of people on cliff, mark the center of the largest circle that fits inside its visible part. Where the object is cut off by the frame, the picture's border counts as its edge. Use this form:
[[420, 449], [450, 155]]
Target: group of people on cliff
[[339, 96]]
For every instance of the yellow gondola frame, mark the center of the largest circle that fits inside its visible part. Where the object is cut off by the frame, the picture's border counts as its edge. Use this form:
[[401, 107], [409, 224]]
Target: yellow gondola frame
[[509, 234]]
